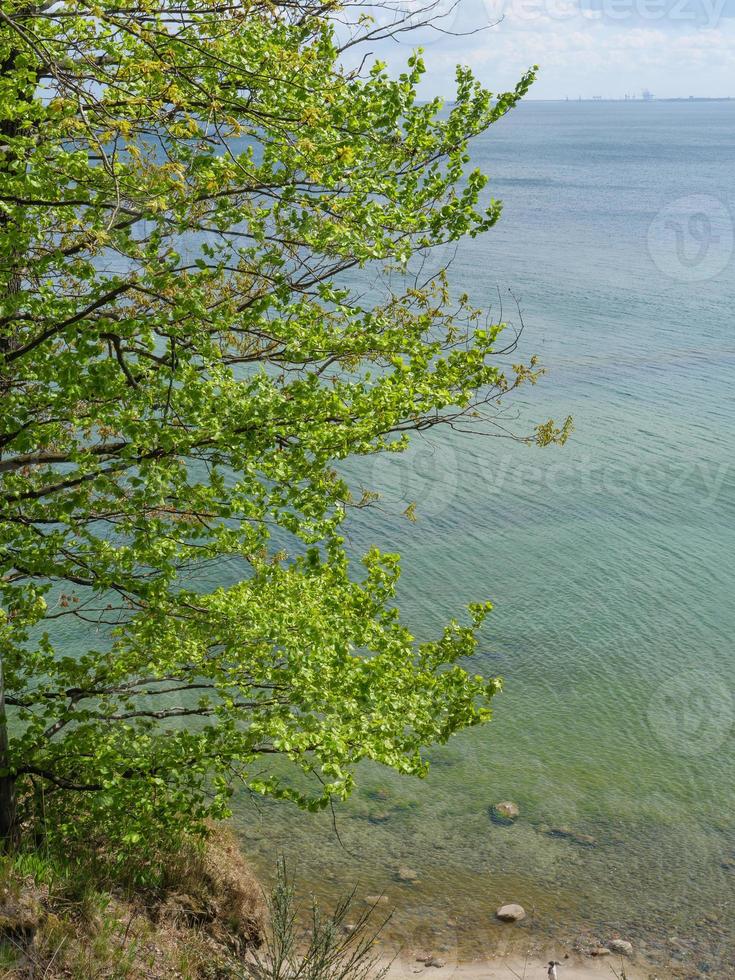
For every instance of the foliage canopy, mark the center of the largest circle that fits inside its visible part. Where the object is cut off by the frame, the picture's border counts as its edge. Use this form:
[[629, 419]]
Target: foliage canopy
[[184, 186]]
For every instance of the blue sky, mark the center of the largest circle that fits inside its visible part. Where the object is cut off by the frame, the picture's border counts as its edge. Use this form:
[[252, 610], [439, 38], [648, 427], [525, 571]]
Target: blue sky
[[674, 48]]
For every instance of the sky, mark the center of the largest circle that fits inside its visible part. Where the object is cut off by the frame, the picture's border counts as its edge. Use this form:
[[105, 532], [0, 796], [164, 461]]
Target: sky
[[607, 48]]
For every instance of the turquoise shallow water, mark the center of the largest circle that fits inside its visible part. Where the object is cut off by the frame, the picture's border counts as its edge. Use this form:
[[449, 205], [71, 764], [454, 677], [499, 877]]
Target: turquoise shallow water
[[610, 562]]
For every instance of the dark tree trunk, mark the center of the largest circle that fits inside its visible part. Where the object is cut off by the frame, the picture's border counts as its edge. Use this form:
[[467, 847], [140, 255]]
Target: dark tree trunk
[[9, 829]]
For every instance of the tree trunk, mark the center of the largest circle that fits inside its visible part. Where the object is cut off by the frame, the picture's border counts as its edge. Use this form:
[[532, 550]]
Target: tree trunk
[[9, 829]]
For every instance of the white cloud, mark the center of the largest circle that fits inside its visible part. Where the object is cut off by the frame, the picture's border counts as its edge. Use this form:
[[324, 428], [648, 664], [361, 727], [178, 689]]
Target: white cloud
[[607, 47]]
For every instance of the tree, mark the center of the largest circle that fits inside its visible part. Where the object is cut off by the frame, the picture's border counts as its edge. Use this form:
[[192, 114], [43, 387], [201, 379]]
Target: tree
[[183, 186]]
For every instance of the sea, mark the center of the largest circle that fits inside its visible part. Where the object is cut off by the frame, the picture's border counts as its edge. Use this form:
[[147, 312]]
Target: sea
[[610, 562]]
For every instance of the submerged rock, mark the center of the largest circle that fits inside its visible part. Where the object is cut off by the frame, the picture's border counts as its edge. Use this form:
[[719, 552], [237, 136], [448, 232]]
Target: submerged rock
[[511, 913], [585, 840], [379, 816], [407, 875], [621, 946], [381, 793], [505, 812]]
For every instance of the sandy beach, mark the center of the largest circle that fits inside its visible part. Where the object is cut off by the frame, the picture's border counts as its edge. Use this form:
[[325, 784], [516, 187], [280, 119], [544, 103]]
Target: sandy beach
[[533, 967]]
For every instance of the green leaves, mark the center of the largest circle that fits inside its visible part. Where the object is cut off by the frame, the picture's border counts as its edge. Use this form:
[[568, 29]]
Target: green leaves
[[184, 362]]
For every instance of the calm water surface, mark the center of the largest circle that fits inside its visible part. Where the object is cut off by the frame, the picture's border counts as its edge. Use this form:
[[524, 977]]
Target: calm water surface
[[610, 562]]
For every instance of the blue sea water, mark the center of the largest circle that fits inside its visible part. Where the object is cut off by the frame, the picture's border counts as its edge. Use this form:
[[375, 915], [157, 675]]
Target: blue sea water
[[610, 561]]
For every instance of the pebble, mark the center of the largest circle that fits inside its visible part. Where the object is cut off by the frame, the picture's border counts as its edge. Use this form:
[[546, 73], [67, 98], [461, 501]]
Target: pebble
[[568, 834], [428, 959], [505, 812], [511, 913], [621, 946], [407, 875]]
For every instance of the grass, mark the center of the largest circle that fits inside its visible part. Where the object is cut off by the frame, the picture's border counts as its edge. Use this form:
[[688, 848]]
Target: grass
[[201, 916], [73, 919]]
